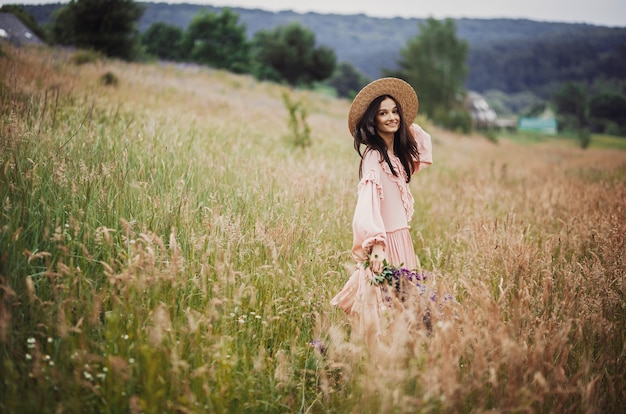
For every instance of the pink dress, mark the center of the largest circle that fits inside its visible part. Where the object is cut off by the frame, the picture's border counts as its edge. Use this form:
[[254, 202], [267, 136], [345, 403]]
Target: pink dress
[[382, 215]]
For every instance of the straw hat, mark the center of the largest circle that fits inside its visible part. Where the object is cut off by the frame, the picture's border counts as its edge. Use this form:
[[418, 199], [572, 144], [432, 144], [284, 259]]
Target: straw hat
[[399, 89]]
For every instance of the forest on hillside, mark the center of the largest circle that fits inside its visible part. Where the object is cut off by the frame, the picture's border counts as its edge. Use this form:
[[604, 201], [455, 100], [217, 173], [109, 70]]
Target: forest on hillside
[[509, 55]]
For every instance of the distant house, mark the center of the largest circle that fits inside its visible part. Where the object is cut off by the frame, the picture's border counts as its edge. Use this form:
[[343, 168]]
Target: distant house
[[545, 123], [13, 30], [482, 115]]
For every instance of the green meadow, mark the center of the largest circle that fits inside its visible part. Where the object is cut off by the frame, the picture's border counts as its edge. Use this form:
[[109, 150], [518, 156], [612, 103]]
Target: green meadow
[[166, 248]]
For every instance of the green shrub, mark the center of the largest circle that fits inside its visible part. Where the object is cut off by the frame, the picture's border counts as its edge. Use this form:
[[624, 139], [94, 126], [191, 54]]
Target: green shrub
[[109, 79], [611, 128], [83, 57], [492, 134], [585, 138], [454, 120]]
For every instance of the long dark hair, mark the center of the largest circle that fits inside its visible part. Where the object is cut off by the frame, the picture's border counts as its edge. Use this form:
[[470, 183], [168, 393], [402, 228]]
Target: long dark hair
[[404, 145]]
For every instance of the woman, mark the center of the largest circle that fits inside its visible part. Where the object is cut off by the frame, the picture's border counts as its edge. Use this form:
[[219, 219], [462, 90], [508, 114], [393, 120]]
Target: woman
[[381, 119]]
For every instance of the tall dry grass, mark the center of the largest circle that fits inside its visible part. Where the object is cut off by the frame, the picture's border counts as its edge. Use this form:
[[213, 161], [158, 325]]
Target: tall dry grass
[[164, 249]]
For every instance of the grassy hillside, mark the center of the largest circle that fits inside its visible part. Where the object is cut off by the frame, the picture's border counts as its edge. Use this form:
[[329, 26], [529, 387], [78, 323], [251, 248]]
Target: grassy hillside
[[164, 249]]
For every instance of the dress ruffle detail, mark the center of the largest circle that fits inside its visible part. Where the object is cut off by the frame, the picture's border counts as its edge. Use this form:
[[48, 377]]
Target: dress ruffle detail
[[403, 186], [373, 177]]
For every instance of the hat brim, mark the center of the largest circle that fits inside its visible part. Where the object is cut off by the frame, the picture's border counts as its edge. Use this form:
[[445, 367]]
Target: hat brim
[[400, 90]]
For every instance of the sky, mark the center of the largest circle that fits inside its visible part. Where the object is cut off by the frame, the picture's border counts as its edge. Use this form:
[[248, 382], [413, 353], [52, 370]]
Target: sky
[[598, 12]]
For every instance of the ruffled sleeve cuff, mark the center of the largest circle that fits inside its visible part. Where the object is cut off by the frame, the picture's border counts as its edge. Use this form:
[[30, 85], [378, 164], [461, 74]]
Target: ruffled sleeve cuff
[[369, 243], [424, 146]]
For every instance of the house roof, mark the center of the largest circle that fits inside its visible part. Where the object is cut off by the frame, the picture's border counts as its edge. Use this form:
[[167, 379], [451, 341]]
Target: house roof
[[479, 109], [13, 30]]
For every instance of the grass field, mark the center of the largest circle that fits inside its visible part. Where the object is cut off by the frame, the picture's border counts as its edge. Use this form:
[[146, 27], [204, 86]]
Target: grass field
[[608, 141], [163, 248], [597, 141]]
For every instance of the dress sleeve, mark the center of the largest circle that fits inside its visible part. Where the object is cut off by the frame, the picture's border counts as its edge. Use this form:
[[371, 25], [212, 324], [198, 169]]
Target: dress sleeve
[[424, 146], [367, 224]]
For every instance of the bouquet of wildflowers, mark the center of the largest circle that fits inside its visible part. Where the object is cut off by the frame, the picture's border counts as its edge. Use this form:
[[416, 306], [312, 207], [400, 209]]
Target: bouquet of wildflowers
[[402, 282], [394, 275]]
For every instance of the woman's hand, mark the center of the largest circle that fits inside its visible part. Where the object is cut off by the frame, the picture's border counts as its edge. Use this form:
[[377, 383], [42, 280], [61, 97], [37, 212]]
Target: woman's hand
[[377, 257]]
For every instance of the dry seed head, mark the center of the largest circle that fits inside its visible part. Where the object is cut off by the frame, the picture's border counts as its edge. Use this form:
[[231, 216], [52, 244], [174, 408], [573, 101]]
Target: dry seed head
[[161, 325]]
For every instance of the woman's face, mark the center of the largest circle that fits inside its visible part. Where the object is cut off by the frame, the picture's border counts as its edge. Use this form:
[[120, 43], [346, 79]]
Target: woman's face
[[387, 118]]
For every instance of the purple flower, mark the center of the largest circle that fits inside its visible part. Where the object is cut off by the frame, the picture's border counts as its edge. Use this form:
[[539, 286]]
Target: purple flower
[[318, 345], [394, 276]]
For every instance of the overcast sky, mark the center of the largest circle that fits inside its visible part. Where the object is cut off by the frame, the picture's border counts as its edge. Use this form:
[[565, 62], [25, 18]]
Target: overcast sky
[[600, 12]]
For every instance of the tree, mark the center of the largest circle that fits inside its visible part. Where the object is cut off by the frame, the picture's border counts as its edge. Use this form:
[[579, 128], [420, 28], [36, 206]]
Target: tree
[[218, 40], [434, 62], [571, 106], [578, 111], [107, 26], [607, 112], [288, 53], [164, 41], [347, 80]]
